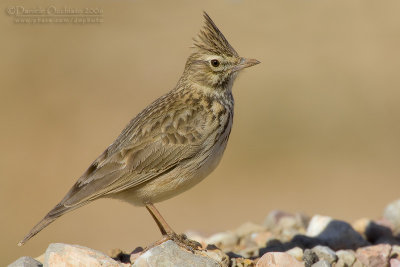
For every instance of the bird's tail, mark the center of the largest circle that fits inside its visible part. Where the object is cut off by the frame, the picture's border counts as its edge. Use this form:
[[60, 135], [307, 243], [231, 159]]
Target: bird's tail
[[58, 211], [38, 227]]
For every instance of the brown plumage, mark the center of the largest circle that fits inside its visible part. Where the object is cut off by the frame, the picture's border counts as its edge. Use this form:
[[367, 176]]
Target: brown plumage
[[173, 143]]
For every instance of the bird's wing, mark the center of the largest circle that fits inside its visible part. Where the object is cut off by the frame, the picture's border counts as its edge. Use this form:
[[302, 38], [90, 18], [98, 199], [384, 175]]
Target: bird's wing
[[149, 148]]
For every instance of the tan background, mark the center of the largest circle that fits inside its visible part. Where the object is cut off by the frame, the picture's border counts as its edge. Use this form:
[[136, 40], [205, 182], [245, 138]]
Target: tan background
[[317, 124]]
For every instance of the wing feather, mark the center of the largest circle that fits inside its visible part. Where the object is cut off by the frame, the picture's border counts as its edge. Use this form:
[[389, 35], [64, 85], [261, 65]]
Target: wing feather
[[153, 147]]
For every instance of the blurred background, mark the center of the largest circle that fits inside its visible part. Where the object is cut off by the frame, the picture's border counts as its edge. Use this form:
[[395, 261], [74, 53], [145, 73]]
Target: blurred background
[[316, 128]]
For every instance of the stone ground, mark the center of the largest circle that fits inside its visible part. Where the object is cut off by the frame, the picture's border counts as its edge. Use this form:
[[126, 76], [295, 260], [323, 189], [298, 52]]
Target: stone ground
[[283, 239]]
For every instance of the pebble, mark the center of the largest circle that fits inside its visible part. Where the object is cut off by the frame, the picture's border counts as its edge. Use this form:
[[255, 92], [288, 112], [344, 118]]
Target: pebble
[[361, 225], [286, 225], [322, 263], [392, 214], [357, 263], [325, 253], [310, 257], [224, 240], [334, 233], [248, 228], [345, 258], [262, 238], [217, 255], [317, 225], [395, 252], [240, 262], [296, 252], [380, 234], [278, 259], [26, 262], [374, 256]]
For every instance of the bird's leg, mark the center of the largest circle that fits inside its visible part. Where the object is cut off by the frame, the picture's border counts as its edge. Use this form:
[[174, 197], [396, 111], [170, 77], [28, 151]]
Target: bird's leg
[[167, 231]]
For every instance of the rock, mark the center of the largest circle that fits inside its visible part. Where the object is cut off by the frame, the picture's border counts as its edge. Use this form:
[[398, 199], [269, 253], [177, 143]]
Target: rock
[[278, 259], [277, 217], [286, 225], [394, 263], [380, 234], [392, 214], [248, 252], [58, 254], [224, 240], [317, 225], [26, 262], [374, 256], [261, 238], [321, 263], [169, 254], [309, 257], [296, 252], [119, 255], [248, 228], [334, 233], [346, 258], [395, 252], [215, 253], [361, 225], [247, 246], [357, 263], [273, 245], [305, 242], [325, 253], [240, 262], [40, 258]]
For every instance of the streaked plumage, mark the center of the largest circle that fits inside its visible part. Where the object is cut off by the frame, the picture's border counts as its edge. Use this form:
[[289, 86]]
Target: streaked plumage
[[172, 144]]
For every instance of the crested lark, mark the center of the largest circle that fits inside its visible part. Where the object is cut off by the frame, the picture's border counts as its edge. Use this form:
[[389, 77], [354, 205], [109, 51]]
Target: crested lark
[[172, 144]]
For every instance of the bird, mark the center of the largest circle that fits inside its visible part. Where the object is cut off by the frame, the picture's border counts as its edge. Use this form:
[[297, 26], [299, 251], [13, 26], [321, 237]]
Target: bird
[[173, 144]]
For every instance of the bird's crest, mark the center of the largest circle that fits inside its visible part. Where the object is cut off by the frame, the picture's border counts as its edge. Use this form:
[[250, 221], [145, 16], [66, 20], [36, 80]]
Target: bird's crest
[[211, 39]]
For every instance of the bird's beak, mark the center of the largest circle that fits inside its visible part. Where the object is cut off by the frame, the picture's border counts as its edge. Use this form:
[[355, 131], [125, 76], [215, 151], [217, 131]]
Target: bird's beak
[[245, 63]]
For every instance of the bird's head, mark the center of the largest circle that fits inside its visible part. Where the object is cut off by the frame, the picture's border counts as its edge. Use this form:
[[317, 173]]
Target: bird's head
[[214, 63]]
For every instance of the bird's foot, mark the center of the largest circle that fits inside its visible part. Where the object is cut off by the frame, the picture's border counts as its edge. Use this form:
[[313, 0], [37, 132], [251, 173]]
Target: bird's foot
[[182, 241]]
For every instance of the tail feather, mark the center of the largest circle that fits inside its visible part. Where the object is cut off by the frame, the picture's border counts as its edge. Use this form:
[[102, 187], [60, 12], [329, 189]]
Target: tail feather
[[37, 228], [58, 211]]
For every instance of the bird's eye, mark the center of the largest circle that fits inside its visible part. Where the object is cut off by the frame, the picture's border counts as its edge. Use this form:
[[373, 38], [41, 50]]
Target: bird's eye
[[214, 62]]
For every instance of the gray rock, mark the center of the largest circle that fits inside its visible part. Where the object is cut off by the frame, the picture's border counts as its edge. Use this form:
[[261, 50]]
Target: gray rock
[[309, 257], [325, 253], [169, 254], [392, 214], [73, 255], [346, 258], [321, 263], [26, 262], [334, 233]]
